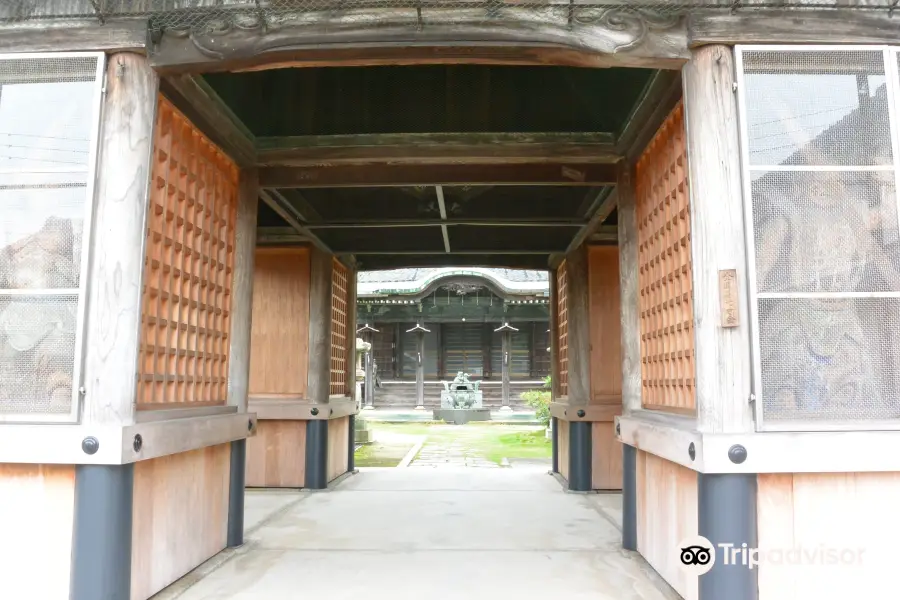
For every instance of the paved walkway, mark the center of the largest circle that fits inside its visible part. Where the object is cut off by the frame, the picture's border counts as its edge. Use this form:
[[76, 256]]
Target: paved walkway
[[428, 534]]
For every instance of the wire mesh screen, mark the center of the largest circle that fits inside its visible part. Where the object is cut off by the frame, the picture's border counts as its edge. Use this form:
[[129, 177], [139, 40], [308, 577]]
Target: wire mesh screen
[[820, 133], [189, 266], [662, 201], [48, 108], [339, 338]]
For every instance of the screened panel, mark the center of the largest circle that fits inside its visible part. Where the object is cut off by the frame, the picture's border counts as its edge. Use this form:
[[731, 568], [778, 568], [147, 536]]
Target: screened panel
[[819, 135], [463, 343], [49, 117]]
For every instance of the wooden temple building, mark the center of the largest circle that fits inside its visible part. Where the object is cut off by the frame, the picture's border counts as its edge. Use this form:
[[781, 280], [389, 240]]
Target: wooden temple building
[[492, 324], [189, 190]]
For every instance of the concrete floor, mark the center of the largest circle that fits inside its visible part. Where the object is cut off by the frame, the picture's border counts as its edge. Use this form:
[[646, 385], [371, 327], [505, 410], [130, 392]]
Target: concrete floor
[[429, 534]]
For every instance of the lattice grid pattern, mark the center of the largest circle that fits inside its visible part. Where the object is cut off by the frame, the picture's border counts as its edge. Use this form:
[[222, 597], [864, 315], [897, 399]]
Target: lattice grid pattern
[[339, 339], [562, 308], [664, 259], [188, 267]]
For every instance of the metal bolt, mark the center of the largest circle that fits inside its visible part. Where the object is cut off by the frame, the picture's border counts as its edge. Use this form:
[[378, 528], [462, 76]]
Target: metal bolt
[[314, 411], [737, 454], [618, 429], [692, 451], [90, 445], [138, 443], [580, 413], [250, 425]]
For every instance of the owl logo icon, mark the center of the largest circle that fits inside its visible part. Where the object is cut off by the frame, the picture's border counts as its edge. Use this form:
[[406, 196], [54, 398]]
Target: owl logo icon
[[696, 555]]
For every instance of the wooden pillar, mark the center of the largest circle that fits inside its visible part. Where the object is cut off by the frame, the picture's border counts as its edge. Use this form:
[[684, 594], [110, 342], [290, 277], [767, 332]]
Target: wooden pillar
[[370, 376], [579, 337], [505, 350], [120, 227], [723, 356], [319, 377], [629, 285], [242, 294], [398, 351], [420, 370]]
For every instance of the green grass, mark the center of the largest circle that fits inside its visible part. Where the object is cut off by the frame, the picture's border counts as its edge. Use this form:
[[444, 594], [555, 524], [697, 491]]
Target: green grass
[[493, 441]]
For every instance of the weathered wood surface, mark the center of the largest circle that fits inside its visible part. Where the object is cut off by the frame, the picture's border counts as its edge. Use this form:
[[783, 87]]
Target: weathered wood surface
[[568, 173], [437, 148], [200, 103], [36, 519], [722, 356], [633, 39], [562, 446], [666, 516], [120, 226], [276, 455], [338, 447], [280, 336], [120, 35], [181, 497], [319, 375], [579, 326], [628, 290], [242, 294], [606, 457], [772, 26]]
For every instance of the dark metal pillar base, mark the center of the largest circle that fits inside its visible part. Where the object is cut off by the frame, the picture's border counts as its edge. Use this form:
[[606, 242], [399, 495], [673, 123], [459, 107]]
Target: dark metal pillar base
[[101, 544], [580, 456], [236, 493], [554, 443], [629, 497], [351, 444], [317, 454], [727, 515]]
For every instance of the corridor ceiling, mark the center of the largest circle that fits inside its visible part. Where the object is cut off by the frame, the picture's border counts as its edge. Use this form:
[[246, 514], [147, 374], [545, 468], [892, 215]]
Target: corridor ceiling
[[436, 165]]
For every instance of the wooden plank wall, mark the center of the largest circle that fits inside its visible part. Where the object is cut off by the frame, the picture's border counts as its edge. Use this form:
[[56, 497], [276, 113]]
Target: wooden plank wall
[[276, 455], [189, 267], [829, 512], [338, 446], [666, 515], [180, 516], [279, 338], [562, 445], [38, 503], [662, 202], [606, 362]]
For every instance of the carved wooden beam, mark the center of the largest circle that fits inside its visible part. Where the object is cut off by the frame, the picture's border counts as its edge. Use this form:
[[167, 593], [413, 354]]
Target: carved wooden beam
[[437, 148], [561, 34], [407, 175]]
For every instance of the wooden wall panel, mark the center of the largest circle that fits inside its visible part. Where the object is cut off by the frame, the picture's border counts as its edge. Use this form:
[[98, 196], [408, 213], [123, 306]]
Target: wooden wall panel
[[606, 457], [276, 455], [606, 325], [666, 515], [338, 446], [562, 326], [662, 200], [279, 338], [829, 512], [189, 267], [37, 505], [562, 445], [180, 516]]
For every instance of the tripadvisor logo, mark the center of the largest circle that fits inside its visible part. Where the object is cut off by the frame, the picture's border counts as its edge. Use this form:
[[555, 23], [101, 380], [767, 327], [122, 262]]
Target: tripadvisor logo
[[696, 555]]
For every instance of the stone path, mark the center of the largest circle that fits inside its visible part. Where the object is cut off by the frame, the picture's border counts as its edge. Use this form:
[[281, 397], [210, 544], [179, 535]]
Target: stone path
[[435, 534], [454, 454]]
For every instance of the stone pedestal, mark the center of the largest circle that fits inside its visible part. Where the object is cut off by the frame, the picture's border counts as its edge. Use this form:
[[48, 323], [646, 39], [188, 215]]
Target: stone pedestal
[[461, 416]]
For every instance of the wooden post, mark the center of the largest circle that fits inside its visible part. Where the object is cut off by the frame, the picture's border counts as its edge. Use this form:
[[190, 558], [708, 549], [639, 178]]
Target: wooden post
[[440, 350], [505, 349], [628, 286], [420, 370], [579, 339], [370, 377], [120, 228], [319, 377], [398, 351], [723, 356], [554, 336], [242, 299]]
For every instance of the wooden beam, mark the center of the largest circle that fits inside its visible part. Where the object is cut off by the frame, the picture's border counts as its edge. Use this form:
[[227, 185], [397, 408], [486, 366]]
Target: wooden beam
[[520, 222], [607, 204], [279, 235], [722, 355], [605, 234], [656, 102], [437, 148], [277, 203], [427, 175], [629, 290], [319, 375], [847, 26], [504, 252], [443, 210], [200, 103], [82, 35], [507, 261]]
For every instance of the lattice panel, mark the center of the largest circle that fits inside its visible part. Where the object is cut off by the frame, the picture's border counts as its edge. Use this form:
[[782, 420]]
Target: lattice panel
[[562, 308], [188, 267], [338, 330], [664, 259]]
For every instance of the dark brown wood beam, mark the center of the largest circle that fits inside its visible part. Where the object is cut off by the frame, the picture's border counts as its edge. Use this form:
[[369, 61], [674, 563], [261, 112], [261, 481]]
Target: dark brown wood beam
[[536, 222], [377, 262], [277, 203], [451, 174], [115, 35], [660, 96], [605, 205], [607, 234], [437, 148]]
